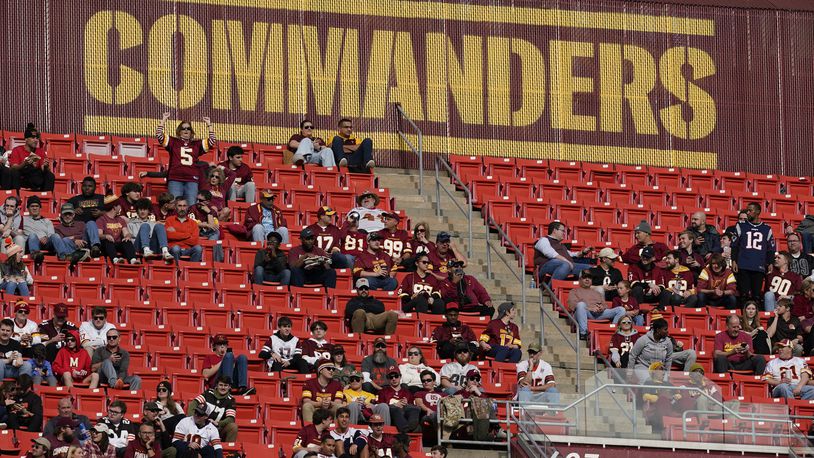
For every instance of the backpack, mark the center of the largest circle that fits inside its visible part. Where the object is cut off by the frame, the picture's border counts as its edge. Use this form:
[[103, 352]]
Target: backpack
[[453, 411], [481, 412]]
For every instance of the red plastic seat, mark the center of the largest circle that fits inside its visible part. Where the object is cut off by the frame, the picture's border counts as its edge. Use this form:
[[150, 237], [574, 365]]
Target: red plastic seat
[[123, 288], [215, 315], [197, 292], [565, 170]]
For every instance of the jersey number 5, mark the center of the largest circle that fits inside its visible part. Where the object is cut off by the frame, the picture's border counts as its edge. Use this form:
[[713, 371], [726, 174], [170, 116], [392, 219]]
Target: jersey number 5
[[186, 156]]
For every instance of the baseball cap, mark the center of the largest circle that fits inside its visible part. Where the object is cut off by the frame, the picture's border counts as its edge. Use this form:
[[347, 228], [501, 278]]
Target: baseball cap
[[785, 343], [353, 215], [380, 340], [697, 368], [324, 363], [608, 252], [21, 305], [267, 194], [648, 252], [657, 365], [362, 282], [473, 373], [443, 236], [306, 234], [33, 200], [42, 441], [200, 410], [151, 405], [535, 346], [60, 310], [393, 370], [375, 419], [504, 309], [585, 274], [453, 306], [67, 208], [393, 215], [374, 236], [325, 210], [110, 199]]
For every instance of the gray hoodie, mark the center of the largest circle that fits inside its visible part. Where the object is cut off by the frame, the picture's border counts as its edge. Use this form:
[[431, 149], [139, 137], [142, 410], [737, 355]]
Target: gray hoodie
[[647, 350]]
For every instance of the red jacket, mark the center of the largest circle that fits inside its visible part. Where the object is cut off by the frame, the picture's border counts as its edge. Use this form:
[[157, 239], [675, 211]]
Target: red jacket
[[185, 234], [254, 216], [67, 360]]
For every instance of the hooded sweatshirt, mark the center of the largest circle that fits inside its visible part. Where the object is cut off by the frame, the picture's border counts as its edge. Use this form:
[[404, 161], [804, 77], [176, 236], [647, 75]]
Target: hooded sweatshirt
[[647, 350], [68, 360]]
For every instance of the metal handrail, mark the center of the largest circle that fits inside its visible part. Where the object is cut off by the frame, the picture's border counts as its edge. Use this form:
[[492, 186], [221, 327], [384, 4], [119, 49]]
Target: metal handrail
[[571, 321], [521, 276], [418, 151], [507, 422], [523, 436], [456, 180]]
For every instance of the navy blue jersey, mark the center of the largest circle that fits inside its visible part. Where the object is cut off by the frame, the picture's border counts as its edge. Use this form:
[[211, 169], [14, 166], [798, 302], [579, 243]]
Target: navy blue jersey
[[755, 246]]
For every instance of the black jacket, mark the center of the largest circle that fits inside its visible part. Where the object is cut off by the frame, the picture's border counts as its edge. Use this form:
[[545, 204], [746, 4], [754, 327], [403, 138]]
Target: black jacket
[[368, 304]]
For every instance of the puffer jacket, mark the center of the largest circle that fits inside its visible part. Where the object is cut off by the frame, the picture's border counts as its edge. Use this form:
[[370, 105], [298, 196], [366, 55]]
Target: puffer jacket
[[647, 350]]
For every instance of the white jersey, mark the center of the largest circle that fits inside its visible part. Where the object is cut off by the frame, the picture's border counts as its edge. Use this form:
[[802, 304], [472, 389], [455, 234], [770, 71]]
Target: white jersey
[[188, 431], [791, 369], [541, 375], [286, 349], [31, 328], [350, 435], [456, 374], [96, 337], [370, 219]]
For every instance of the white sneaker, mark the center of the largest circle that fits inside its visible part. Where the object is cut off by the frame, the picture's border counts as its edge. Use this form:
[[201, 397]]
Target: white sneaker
[[167, 255], [134, 261], [370, 164], [147, 252], [118, 260], [343, 162]]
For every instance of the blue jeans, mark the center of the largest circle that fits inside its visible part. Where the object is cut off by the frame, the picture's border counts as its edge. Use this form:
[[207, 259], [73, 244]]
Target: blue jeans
[[260, 275], [784, 390], [727, 302], [358, 158], [503, 354], [34, 243], [769, 301], [550, 396], [19, 289], [384, 284], [259, 233], [324, 277], [581, 314], [66, 246], [236, 368], [155, 239], [195, 253], [186, 189], [9, 371], [107, 373], [560, 269]]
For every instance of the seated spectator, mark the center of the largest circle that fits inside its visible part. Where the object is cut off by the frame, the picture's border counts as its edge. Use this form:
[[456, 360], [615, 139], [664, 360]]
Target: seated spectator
[[605, 276], [93, 333], [622, 342], [643, 239], [443, 252], [680, 285], [687, 256], [41, 369], [371, 218], [55, 329], [12, 364], [164, 208], [365, 313], [627, 302], [239, 180], [112, 363], [710, 390], [29, 164], [453, 333], [353, 240], [501, 338], [130, 194], [151, 237], [466, 291], [25, 330], [788, 375], [220, 408], [375, 367], [375, 265], [781, 282], [470, 394], [205, 214], [396, 242], [343, 367], [73, 364], [360, 403], [16, 278], [99, 443], [117, 241], [309, 439], [411, 370], [349, 440], [224, 363], [65, 410], [11, 223], [802, 306], [751, 323], [420, 291], [420, 242], [647, 280], [197, 433], [88, 204], [40, 448], [120, 430], [653, 347], [312, 349], [379, 443], [658, 397], [733, 350], [26, 412], [309, 264], [404, 415], [553, 258], [535, 378], [785, 326], [183, 175], [329, 238], [63, 438], [717, 285], [351, 152], [263, 218], [801, 263], [38, 231], [216, 197], [707, 240], [309, 149], [428, 398], [322, 391], [182, 234], [454, 373], [144, 443], [80, 240], [586, 303], [171, 411], [270, 263], [327, 446], [280, 349]]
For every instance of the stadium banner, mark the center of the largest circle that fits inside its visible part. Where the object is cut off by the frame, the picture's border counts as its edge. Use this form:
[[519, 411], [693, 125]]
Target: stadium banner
[[598, 80]]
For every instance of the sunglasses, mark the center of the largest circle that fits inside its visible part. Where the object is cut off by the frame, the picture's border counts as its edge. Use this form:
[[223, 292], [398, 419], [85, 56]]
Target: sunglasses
[[331, 369], [163, 390], [112, 337], [186, 127], [413, 353], [355, 379], [474, 379], [428, 380], [363, 288], [307, 127], [392, 376], [420, 230], [532, 352], [24, 312], [99, 318]]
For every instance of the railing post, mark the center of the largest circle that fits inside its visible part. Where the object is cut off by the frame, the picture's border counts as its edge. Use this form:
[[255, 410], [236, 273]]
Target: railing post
[[523, 286], [437, 191], [488, 253], [402, 116]]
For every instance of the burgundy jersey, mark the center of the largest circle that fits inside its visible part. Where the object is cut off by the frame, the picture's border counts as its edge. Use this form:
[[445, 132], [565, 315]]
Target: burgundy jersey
[[240, 175], [327, 237], [396, 243], [623, 343], [421, 247], [431, 399], [160, 216], [439, 263], [308, 435], [353, 242], [128, 209], [680, 279], [388, 395], [367, 261], [183, 155], [499, 333], [316, 392], [312, 348], [654, 276], [629, 304], [446, 332], [382, 446], [413, 283], [783, 284]]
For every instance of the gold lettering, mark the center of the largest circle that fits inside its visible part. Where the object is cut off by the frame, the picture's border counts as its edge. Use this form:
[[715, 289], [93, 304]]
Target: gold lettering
[[273, 68], [613, 90], [318, 70], [378, 72], [460, 79], [230, 47], [97, 56], [437, 107], [564, 85], [700, 107], [498, 86], [194, 66], [532, 77], [406, 88], [349, 75]]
